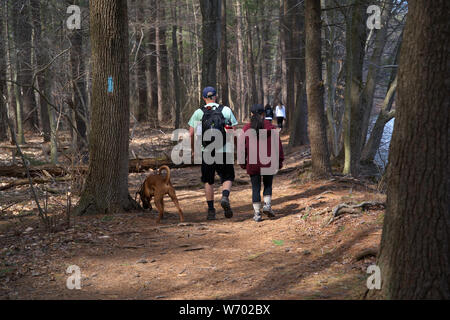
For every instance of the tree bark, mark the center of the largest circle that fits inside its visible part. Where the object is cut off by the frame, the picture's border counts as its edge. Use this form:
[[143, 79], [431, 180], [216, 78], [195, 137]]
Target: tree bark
[[3, 88], [106, 186], [41, 61], [210, 39], [164, 106], [372, 73], [314, 90], [78, 85], [176, 70], [384, 117], [240, 61], [415, 246], [152, 65], [142, 112], [224, 56], [299, 128], [356, 37], [23, 36]]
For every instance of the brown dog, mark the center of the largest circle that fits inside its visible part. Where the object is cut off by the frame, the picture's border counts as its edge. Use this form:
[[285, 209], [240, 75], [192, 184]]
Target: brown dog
[[158, 186]]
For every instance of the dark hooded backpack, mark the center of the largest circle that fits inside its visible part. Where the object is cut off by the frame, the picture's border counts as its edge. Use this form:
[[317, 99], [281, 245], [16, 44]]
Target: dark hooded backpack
[[213, 119]]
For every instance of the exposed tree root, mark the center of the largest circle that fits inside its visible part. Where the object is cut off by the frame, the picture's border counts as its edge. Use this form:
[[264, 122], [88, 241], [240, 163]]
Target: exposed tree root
[[367, 252], [343, 208], [91, 206]]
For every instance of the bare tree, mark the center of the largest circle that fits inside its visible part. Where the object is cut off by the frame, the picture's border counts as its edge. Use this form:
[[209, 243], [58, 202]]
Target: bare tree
[[314, 90], [106, 186]]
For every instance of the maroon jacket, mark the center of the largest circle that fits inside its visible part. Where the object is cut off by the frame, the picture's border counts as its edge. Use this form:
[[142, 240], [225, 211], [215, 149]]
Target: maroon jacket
[[253, 169]]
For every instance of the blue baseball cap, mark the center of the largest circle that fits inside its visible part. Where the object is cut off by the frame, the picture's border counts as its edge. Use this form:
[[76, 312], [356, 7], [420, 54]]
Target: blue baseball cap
[[209, 92]]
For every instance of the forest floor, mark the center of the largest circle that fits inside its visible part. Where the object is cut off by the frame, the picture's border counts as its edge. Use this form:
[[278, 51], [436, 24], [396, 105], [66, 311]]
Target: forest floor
[[296, 255]]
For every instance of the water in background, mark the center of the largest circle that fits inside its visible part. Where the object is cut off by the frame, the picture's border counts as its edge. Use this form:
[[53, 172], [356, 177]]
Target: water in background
[[381, 157]]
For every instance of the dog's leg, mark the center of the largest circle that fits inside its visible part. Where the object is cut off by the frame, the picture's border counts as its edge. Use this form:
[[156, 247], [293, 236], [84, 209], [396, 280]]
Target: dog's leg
[[174, 198], [159, 202]]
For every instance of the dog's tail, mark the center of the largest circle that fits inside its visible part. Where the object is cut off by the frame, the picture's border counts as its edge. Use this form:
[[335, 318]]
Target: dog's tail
[[167, 173]]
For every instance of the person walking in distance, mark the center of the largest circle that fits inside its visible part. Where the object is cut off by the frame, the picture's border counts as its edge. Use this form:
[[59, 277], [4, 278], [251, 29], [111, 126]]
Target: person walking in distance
[[280, 113], [215, 117], [268, 110]]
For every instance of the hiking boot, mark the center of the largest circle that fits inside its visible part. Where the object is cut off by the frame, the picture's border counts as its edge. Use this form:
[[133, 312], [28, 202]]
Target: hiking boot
[[211, 214], [268, 211], [225, 203], [257, 217]]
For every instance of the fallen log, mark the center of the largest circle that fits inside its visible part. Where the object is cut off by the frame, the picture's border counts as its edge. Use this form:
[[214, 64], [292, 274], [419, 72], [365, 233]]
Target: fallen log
[[135, 166], [23, 182], [17, 171]]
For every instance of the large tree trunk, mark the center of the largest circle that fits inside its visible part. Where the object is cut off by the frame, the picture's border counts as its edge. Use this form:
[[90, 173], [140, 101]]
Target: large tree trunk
[[299, 128], [210, 39], [106, 186], [415, 247], [314, 90], [356, 37]]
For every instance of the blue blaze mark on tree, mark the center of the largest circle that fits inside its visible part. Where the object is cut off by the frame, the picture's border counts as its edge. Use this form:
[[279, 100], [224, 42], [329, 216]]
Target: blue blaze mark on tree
[[110, 85]]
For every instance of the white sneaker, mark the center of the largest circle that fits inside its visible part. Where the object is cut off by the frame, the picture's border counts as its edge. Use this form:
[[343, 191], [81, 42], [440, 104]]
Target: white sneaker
[[268, 211], [257, 217]]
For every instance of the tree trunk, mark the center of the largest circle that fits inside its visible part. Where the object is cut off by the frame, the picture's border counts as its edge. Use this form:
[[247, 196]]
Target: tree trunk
[[299, 128], [142, 112], [3, 88], [314, 90], [41, 62], [356, 37], [210, 39], [415, 246], [23, 36], [251, 62], [372, 73], [106, 186], [78, 86], [290, 9], [384, 117], [240, 61], [224, 56], [176, 69], [152, 65], [164, 106]]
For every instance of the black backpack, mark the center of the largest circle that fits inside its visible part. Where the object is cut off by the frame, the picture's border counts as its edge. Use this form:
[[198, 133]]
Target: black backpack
[[213, 119]]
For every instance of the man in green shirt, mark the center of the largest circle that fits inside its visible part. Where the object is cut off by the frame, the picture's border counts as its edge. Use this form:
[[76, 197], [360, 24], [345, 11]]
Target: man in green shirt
[[224, 170]]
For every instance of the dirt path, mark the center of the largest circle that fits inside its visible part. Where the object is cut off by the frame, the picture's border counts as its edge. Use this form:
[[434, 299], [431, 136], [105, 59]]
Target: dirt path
[[127, 256], [130, 257]]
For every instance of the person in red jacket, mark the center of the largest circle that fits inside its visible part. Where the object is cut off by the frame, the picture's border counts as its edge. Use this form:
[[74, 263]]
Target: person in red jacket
[[258, 123]]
